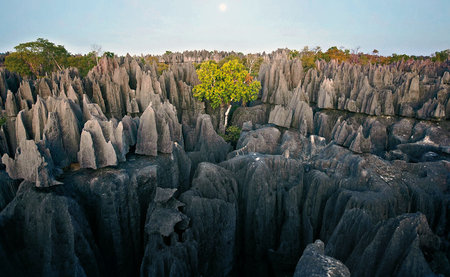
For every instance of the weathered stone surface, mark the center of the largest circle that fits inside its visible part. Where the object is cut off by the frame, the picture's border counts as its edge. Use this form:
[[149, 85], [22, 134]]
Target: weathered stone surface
[[303, 114], [4, 147], [23, 126], [296, 146], [256, 114], [53, 138], [26, 94], [279, 79], [281, 116], [91, 110], [182, 172], [166, 253], [264, 140], [326, 95], [8, 189], [212, 206], [11, 105], [406, 90], [86, 156], [209, 146], [97, 97], [401, 132], [394, 246], [315, 263], [38, 119], [70, 127], [43, 88], [51, 224], [168, 128], [122, 142], [253, 214], [147, 135], [95, 152], [360, 144], [32, 162], [266, 185], [176, 85]]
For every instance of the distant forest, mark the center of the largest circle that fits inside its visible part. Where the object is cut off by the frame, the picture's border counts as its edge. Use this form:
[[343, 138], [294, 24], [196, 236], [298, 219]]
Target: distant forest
[[41, 57]]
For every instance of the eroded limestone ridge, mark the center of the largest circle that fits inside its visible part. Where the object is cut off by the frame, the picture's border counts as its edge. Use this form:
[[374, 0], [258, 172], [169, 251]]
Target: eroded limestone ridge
[[341, 169]]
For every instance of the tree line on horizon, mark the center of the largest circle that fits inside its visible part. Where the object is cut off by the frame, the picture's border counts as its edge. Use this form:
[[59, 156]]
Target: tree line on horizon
[[41, 57], [310, 56]]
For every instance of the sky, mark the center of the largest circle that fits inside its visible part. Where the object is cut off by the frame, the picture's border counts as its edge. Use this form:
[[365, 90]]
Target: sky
[[413, 27]]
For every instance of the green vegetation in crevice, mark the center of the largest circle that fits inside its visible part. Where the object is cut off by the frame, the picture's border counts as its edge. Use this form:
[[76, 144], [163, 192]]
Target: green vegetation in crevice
[[232, 135], [3, 120]]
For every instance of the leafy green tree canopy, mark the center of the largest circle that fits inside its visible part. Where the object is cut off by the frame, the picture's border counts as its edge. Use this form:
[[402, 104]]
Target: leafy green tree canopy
[[37, 58], [42, 57], [108, 54], [441, 56], [229, 83], [223, 85]]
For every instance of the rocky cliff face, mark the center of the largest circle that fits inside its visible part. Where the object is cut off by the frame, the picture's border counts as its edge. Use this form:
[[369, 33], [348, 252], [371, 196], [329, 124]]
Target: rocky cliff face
[[340, 170]]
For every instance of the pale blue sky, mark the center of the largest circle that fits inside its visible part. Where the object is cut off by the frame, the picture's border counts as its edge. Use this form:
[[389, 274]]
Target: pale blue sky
[[152, 27]]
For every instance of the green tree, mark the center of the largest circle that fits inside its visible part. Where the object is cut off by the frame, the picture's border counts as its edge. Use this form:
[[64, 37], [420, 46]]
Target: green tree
[[26, 64], [37, 58], [293, 54], [222, 86], [441, 56], [84, 63], [161, 67], [229, 58], [3, 120], [309, 57], [108, 54]]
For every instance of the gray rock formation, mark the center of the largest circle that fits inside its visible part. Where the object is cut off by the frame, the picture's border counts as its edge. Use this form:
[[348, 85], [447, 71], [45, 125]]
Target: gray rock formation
[[147, 135], [384, 243], [165, 252], [70, 126], [8, 189], [372, 90], [256, 114], [296, 146], [33, 163], [11, 105], [168, 128], [315, 263], [212, 207], [206, 144], [31, 219], [281, 116], [356, 156], [95, 152], [267, 185], [53, 138], [264, 140], [91, 110]]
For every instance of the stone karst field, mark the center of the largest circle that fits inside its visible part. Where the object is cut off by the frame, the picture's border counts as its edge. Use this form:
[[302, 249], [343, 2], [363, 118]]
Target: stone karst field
[[340, 168]]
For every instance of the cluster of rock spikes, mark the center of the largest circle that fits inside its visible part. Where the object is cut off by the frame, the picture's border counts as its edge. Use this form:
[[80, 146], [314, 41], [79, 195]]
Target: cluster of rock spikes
[[339, 170]]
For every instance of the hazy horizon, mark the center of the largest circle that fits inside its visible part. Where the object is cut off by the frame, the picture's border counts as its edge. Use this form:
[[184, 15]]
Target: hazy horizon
[[139, 27]]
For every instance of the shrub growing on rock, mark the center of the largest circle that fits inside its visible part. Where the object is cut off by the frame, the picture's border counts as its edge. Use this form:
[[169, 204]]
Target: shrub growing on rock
[[232, 135]]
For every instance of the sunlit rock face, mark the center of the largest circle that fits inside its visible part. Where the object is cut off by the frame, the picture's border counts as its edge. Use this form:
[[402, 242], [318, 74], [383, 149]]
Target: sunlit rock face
[[340, 170]]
